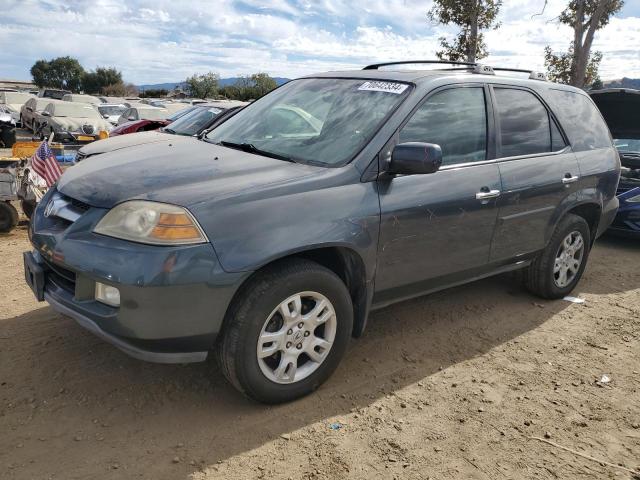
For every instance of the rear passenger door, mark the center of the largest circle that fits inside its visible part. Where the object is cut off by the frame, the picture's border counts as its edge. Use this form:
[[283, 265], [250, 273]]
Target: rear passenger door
[[436, 229], [538, 170]]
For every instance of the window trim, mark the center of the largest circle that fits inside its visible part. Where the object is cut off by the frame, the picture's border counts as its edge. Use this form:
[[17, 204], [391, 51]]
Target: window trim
[[489, 119], [551, 116]]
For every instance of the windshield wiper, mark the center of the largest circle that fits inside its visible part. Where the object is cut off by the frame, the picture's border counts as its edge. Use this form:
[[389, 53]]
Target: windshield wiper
[[251, 148], [169, 130]]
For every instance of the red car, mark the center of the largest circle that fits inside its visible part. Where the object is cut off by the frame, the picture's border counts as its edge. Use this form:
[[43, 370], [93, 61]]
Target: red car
[[138, 126]]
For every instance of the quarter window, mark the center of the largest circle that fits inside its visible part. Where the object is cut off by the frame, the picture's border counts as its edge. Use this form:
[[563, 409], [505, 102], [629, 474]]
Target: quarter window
[[455, 119], [524, 123]]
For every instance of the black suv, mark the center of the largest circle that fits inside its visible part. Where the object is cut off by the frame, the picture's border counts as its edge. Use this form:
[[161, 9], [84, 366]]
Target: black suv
[[270, 239]]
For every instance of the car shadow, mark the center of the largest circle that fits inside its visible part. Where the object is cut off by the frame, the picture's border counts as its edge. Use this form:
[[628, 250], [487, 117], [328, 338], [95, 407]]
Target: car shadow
[[95, 408]]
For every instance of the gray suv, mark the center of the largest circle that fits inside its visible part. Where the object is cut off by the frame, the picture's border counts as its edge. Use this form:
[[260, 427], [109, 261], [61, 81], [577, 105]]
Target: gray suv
[[269, 240]]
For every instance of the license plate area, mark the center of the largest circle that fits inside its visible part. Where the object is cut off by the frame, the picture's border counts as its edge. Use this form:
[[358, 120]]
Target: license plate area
[[34, 275]]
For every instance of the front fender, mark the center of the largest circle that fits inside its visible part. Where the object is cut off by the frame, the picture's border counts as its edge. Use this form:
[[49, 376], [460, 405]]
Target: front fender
[[252, 233]]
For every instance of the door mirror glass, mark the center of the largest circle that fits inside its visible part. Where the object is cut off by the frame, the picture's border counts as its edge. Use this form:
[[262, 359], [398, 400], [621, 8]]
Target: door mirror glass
[[46, 114], [412, 158]]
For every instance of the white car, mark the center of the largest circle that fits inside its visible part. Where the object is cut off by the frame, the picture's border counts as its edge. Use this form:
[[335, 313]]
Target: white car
[[74, 123], [143, 112], [13, 102], [32, 110], [111, 111], [78, 98]]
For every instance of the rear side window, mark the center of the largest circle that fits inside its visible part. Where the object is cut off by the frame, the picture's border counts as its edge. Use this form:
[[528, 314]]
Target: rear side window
[[581, 120], [524, 123], [455, 119]]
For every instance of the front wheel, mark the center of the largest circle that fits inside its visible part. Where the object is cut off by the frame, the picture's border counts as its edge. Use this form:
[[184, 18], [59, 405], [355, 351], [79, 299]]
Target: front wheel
[[558, 268], [286, 332]]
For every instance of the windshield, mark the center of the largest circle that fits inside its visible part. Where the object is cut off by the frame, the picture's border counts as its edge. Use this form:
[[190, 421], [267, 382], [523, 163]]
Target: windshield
[[111, 110], [324, 121], [627, 145], [153, 113], [195, 121], [16, 97], [78, 110]]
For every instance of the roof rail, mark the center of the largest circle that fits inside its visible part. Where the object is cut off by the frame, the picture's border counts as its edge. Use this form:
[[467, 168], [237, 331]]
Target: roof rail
[[533, 75], [376, 66]]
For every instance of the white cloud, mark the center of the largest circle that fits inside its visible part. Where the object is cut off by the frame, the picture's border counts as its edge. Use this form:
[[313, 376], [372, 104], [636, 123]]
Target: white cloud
[[154, 41]]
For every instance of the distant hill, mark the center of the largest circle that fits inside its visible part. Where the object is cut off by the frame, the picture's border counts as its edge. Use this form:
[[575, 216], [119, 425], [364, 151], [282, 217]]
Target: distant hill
[[223, 83], [624, 82]]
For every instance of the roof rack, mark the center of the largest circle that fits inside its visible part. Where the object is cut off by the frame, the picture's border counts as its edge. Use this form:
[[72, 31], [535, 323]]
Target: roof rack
[[475, 67], [533, 75]]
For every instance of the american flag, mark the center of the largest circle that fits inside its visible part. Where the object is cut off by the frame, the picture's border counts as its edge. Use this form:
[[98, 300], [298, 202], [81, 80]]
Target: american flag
[[44, 163]]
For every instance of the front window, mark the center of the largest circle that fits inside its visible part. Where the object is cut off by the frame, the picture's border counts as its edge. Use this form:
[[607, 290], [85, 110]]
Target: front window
[[111, 110], [77, 110], [324, 121], [152, 113], [194, 122], [16, 97]]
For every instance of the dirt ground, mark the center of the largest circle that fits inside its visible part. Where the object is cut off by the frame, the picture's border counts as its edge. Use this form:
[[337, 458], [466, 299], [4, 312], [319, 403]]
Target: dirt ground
[[482, 381]]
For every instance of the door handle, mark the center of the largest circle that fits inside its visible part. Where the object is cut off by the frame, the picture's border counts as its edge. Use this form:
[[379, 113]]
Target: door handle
[[485, 194], [568, 178]]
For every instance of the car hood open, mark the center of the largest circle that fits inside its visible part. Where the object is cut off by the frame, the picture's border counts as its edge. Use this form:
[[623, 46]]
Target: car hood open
[[620, 108], [123, 141], [179, 170]]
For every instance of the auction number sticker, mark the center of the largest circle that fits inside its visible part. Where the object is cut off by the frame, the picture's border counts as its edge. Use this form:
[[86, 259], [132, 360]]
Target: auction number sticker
[[389, 87]]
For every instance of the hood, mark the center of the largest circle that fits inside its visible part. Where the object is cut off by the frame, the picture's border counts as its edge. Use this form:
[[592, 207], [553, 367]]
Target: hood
[[74, 124], [179, 170], [620, 108], [123, 141]]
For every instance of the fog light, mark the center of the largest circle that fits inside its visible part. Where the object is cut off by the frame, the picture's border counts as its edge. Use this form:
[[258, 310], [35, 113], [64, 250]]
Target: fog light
[[107, 294]]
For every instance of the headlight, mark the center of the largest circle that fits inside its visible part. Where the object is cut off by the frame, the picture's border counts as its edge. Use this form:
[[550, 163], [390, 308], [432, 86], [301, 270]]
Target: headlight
[[151, 222], [635, 199]]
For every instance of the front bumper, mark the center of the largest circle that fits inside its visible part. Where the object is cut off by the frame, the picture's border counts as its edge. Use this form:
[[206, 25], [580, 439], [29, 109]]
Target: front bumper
[[74, 138], [172, 299]]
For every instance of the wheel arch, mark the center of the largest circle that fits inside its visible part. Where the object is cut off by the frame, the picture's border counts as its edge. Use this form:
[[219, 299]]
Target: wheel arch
[[591, 211], [346, 263]]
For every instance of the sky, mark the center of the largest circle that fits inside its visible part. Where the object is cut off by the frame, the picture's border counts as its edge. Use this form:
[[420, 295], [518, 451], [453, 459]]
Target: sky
[[156, 41]]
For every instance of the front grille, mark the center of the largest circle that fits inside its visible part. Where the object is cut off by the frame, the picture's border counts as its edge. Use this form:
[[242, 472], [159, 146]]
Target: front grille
[[623, 188], [78, 204]]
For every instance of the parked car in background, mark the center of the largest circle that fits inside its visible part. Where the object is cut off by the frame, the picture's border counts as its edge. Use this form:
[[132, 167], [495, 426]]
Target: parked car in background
[[78, 98], [201, 118], [620, 108], [146, 125], [143, 112], [13, 102], [267, 241], [72, 123], [7, 128], [54, 93], [111, 111], [32, 110]]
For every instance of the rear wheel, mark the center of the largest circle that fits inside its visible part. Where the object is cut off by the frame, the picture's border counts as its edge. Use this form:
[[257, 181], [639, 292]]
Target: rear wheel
[[558, 269], [286, 332], [8, 217]]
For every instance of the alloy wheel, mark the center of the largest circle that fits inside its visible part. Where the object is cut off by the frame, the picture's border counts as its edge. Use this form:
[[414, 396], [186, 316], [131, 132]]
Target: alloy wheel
[[568, 259], [296, 337]]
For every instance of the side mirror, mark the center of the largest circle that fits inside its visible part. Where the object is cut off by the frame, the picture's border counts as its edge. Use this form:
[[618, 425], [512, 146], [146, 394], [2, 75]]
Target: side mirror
[[131, 118], [45, 113], [30, 109], [413, 158], [105, 117]]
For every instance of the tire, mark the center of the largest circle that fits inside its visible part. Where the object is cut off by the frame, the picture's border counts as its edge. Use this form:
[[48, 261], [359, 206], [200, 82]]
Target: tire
[[28, 206], [541, 277], [251, 315], [8, 217]]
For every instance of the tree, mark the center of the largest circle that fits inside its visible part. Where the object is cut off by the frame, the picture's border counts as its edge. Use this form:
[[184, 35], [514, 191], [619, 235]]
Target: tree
[[263, 84], [203, 86], [472, 16], [120, 90], [585, 17], [559, 67], [154, 93], [95, 82], [62, 72]]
